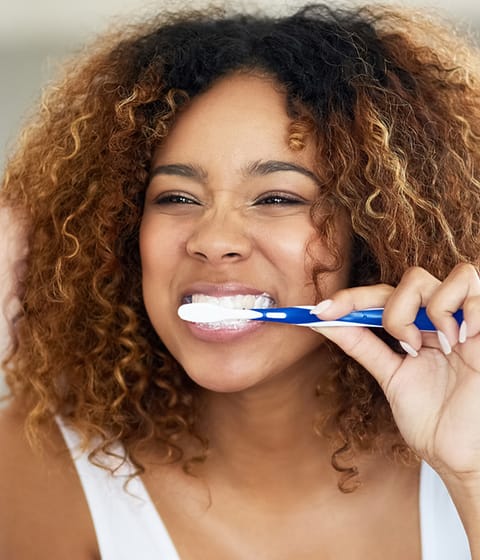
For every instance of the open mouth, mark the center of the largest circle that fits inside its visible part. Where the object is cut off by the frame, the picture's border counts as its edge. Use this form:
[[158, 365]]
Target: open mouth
[[237, 301]]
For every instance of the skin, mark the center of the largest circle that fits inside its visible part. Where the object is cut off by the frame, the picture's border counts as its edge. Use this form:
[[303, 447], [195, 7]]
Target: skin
[[434, 394], [215, 230], [43, 511], [268, 492], [227, 226]]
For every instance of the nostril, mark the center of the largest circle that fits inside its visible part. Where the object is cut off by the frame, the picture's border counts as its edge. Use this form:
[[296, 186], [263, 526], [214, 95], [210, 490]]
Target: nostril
[[201, 255], [217, 243]]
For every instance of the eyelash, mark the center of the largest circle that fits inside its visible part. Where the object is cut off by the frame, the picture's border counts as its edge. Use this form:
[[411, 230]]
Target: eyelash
[[271, 199], [175, 198], [277, 199]]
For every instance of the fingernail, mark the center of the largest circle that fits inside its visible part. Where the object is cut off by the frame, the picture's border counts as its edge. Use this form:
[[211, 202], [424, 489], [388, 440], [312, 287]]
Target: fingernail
[[322, 306], [444, 344], [408, 349], [462, 333]]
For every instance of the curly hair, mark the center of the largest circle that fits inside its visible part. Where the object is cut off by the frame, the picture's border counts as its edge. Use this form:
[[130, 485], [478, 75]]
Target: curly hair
[[393, 102]]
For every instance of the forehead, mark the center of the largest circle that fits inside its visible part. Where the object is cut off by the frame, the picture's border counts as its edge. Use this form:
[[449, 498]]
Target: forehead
[[240, 116]]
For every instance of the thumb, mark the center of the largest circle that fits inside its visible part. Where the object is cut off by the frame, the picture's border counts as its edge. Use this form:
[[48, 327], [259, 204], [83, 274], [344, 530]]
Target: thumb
[[361, 344]]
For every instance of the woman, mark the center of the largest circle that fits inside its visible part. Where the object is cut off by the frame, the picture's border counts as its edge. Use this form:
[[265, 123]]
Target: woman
[[328, 157]]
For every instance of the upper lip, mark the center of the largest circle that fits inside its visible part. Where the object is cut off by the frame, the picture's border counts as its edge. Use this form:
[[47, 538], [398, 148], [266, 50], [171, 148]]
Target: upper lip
[[223, 289]]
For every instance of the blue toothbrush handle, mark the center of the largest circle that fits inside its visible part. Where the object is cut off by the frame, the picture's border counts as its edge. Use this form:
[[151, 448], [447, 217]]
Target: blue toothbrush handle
[[290, 315], [373, 318], [365, 317], [424, 324]]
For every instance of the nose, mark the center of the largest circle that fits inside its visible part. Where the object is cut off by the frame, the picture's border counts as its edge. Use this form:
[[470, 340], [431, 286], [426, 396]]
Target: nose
[[219, 238]]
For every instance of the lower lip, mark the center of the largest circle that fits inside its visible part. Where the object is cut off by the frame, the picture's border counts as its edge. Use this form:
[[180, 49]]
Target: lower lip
[[203, 332]]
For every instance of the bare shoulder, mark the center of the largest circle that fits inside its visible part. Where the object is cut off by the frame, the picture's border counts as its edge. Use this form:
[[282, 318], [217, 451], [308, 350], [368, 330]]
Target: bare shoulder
[[43, 512]]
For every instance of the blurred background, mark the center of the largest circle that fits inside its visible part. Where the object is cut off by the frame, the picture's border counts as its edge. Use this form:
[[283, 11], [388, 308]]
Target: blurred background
[[37, 35]]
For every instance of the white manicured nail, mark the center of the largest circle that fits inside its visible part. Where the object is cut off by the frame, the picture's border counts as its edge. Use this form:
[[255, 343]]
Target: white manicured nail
[[444, 344], [462, 333], [322, 306], [408, 349]]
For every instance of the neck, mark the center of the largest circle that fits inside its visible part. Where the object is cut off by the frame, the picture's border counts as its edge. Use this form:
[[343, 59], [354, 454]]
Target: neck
[[266, 433]]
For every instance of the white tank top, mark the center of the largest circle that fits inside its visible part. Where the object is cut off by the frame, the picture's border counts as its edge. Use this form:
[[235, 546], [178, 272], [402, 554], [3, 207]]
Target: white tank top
[[128, 525]]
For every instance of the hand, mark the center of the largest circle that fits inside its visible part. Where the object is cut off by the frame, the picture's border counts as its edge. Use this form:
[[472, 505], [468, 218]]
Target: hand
[[434, 390]]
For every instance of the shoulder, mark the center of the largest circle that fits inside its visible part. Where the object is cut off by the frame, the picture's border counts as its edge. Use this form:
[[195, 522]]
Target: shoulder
[[43, 513]]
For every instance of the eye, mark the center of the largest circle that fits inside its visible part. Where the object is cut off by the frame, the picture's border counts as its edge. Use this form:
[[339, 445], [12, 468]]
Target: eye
[[278, 199], [173, 198]]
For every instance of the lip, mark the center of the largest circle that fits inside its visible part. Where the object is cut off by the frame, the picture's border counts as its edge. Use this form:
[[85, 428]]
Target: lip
[[201, 332], [224, 289], [206, 334]]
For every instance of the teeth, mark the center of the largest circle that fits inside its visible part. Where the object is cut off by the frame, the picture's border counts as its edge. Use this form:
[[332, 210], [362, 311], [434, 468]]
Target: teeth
[[232, 325], [239, 301]]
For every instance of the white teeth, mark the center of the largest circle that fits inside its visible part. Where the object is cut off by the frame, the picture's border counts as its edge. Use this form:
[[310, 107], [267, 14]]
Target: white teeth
[[239, 301], [232, 325]]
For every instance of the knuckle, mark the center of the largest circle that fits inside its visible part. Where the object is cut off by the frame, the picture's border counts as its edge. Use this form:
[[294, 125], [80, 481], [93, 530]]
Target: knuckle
[[355, 346], [386, 288], [465, 270], [437, 313], [343, 295], [471, 306], [415, 273], [388, 323]]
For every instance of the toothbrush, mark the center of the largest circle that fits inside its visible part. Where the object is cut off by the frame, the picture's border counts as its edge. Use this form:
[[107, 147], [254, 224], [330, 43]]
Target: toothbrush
[[298, 315]]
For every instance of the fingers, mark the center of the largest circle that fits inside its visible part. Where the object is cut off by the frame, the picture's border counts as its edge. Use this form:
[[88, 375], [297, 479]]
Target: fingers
[[367, 349], [461, 289], [360, 343], [471, 315], [351, 299], [417, 288]]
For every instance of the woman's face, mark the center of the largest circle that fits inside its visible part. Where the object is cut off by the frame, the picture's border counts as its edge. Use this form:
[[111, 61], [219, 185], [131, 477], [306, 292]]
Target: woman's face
[[227, 220]]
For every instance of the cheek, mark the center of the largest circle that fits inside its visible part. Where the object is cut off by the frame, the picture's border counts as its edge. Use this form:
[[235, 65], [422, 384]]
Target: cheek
[[296, 250], [160, 246], [285, 249], [284, 239]]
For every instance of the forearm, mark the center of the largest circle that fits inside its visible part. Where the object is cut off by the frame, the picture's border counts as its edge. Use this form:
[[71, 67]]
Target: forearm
[[466, 496]]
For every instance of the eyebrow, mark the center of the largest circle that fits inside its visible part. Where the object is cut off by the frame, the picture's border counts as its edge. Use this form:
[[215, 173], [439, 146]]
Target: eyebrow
[[256, 169], [259, 168], [182, 170]]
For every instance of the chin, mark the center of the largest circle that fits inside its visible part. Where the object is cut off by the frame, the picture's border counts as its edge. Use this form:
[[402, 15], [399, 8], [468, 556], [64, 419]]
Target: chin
[[223, 378], [225, 383]]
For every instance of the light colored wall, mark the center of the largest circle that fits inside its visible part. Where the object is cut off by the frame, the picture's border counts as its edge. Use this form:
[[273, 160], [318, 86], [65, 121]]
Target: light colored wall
[[35, 35]]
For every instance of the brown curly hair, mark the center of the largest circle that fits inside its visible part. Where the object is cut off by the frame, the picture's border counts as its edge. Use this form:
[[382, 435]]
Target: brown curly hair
[[393, 102]]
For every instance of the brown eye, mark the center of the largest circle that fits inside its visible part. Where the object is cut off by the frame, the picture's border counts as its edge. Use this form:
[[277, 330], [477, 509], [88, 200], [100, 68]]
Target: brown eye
[[278, 199], [174, 198]]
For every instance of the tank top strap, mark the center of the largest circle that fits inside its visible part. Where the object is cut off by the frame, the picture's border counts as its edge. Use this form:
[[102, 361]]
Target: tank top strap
[[442, 533], [126, 522]]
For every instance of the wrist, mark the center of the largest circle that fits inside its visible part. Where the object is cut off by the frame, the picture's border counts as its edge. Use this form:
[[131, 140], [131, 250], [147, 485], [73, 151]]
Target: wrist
[[464, 490]]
